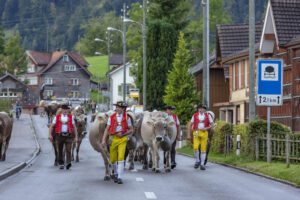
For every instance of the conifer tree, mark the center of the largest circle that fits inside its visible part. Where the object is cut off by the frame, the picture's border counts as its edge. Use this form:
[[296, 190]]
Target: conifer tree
[[180, 90]]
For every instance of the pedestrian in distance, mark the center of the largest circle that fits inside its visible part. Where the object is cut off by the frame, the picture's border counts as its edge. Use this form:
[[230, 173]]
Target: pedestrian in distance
[[119, 126], [176, 121], [66, 133], [201, 122], [93, 106]]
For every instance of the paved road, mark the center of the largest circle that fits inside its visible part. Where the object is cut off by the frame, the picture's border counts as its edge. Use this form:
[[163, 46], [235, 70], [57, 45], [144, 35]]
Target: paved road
[[43, 181], [22, 144]]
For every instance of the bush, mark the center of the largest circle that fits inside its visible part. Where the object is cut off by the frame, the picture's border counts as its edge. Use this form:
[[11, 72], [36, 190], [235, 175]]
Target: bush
[[5, 106], [240, 129], [220, 131]]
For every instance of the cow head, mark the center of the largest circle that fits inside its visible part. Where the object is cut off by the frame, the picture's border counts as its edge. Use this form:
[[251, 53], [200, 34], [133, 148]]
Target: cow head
[[160, 127], [81, 122]]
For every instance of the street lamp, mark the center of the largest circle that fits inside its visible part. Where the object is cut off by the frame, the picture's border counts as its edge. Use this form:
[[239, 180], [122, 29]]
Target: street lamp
[[124, 56]]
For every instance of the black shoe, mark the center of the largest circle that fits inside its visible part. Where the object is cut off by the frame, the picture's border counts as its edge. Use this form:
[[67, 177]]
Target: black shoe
[[61, 167], [68, 166], [197, 164], [202, 167], [173, 165], [114, 177], [120, 181]]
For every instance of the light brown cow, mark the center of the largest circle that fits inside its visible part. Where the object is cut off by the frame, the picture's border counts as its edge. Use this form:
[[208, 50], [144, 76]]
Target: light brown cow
[[6, 124], [80, 123]]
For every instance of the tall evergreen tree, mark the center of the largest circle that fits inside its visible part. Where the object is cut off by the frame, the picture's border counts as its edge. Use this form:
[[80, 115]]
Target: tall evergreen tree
[[1, 40], [181, 90]]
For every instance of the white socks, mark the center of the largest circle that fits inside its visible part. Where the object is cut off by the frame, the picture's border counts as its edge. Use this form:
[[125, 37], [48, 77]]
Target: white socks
[[196, 153], [115, 168], [120, 168], [203, 156]]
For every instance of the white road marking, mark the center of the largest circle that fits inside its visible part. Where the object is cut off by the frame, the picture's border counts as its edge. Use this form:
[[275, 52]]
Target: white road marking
[[134, 170], [150, 195], [139, 179]]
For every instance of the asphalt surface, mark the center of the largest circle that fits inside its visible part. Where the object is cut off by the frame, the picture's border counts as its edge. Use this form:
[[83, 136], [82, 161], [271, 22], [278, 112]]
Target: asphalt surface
[[22, 144], [84, 180]]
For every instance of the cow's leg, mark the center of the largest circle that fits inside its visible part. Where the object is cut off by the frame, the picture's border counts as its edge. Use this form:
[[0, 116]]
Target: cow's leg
[[150, 159], [156, 157], [131, 154], [1, 145], [72, 150], [210, 136], [106, 163], [145, 164], [55, 153], [5, 145], [167, 166], [77, 150]]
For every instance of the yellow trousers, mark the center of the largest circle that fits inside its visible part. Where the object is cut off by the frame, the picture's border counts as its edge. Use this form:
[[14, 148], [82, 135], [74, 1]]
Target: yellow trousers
[[117, 148], [200, 137]]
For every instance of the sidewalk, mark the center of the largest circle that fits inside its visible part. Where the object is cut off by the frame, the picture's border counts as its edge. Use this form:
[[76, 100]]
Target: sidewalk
[[22, 146]]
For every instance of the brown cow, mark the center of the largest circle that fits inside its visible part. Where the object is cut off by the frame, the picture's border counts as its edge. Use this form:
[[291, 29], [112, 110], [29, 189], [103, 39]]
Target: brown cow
[[6, 124], [80, 122]]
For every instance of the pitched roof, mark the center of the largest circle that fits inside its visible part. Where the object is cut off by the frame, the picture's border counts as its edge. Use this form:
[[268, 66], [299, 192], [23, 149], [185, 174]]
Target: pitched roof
[[199, 67], [234, 37], [48, 58], [115, 59], [286, 15], [13, 77]]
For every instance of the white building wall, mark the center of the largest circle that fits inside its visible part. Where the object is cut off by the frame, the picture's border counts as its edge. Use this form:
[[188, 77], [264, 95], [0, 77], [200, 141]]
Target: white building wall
[[117, 79]]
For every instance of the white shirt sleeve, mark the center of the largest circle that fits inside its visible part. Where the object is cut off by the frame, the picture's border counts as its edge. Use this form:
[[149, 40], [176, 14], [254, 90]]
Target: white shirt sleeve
[[73, 121], [178, 123], [109, 122], [192, 120], [210, 119], [129, 122], [54, 120]]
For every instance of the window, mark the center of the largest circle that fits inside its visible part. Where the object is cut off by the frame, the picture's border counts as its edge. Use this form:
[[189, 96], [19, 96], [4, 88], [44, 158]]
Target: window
[[74, 81], [233, 76], [48, 81], [70, 68], [66, 58], [30, 68], [49, 93], [74, 94], [32, 81], [9, 94], [246, 74]]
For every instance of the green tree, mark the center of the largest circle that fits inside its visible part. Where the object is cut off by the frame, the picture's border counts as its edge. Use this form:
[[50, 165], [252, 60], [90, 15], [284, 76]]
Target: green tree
[[14, 57], [181, 90], [194, 30], [2, 41]]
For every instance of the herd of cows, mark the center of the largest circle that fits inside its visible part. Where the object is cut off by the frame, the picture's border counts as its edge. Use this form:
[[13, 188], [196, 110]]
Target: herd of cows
[[152, 130]]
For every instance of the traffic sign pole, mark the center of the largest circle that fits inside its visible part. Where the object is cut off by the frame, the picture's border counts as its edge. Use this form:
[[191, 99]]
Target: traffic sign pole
[[269, 153]]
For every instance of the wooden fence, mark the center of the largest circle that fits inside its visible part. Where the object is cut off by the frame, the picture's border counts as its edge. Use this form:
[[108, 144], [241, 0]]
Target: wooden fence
[[283, 147]]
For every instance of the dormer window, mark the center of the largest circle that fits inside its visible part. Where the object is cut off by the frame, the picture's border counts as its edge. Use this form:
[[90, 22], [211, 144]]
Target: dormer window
[[66, 58]]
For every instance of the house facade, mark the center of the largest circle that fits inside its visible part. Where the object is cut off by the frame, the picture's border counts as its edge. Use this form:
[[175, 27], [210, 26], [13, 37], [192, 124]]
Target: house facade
[[279, 39], [57, 75], [12, 88]]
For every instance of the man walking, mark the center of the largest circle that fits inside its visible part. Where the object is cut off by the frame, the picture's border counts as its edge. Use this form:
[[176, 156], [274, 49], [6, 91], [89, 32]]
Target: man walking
[[118, 127], [176, 121], [66, 133], [201, 122]]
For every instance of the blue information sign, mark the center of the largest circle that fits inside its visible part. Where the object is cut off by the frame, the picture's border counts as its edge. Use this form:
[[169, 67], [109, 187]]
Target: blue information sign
[[269, 82]]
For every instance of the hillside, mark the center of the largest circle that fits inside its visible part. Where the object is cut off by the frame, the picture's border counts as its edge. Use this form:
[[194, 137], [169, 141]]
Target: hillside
[[51, 24]]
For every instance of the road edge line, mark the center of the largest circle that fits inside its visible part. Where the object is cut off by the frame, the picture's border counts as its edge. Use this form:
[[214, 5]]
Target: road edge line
[[22, 165], [250, 172]]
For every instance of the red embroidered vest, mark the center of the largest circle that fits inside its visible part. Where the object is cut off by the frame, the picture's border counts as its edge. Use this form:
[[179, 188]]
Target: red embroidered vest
[[114, 123], [196, 121], [58, 124]]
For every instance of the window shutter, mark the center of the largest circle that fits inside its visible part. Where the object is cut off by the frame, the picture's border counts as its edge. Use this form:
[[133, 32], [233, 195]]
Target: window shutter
[[79, 82], [230, 78], [69, 81], [53, 81], [79, 94]]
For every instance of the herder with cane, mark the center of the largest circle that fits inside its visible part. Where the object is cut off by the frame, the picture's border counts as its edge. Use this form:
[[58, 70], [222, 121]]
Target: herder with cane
[[119, 126]]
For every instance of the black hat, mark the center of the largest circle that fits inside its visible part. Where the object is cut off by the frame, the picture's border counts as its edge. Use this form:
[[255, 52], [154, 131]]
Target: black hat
[[170, 107], [65, 106], [121, 104], [202, 106]]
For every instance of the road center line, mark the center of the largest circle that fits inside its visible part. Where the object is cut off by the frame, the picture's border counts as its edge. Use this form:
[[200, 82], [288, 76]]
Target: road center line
[[139, 179], [150, 195]]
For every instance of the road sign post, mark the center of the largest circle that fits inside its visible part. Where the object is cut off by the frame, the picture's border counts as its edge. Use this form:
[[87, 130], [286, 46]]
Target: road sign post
[[269, 90]]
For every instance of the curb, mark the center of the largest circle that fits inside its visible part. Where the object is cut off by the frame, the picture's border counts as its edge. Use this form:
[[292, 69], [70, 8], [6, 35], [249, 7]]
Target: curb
[[250, 172], [22, 165]]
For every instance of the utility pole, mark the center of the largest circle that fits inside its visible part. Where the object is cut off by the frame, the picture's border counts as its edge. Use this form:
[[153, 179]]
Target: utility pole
[[205, 71], [108, 68], [124, 53], [98, 88], [252, 60], [144, 57]]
